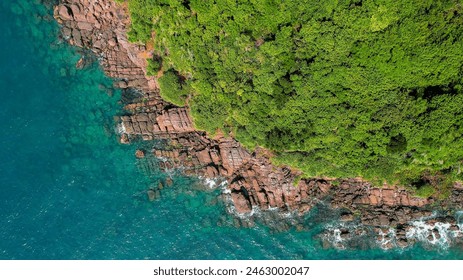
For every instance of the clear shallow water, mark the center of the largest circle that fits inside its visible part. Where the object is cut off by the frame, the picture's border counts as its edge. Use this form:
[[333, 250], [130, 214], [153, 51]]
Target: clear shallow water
[[68, 190]]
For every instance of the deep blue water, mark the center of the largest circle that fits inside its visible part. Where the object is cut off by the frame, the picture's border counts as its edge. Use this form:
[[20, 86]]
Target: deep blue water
[[69, 190]]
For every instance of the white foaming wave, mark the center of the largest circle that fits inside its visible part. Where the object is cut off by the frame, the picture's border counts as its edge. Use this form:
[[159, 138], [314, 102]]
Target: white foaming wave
[[223, 187], [439, 233], [211, 183], [163, 159], [337, 239], [232, 210], [333, 233], [255, 209], [333, 236], [388, 239], [120, 128], [171, 172], [214, 183], [285, 214]]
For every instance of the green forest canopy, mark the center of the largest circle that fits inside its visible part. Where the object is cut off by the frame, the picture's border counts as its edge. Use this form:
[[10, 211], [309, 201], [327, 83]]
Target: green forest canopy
[[347, 88]]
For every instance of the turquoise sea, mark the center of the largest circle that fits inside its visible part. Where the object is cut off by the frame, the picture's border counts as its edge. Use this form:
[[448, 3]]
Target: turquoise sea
[[69, 190]]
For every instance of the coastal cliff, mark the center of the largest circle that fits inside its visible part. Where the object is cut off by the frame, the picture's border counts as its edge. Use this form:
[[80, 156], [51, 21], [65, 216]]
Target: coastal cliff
[[253, 181]]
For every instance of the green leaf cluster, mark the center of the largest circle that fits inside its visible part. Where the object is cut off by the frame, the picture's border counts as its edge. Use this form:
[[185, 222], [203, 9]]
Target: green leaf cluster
[[153, 66], [173, 89], [338, 88]]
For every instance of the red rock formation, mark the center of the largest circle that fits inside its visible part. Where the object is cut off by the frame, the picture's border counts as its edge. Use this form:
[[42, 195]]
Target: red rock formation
[[140, 153], [101, 25]]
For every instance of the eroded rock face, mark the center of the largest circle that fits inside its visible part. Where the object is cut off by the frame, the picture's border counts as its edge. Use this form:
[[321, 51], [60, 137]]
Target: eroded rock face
[[101, 25]]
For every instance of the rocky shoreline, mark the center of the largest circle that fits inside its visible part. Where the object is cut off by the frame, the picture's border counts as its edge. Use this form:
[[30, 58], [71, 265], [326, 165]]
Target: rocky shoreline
[[253, 182]]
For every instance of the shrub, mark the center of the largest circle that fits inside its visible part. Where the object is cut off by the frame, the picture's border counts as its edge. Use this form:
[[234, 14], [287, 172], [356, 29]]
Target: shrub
[[172, 90], [154, 65]]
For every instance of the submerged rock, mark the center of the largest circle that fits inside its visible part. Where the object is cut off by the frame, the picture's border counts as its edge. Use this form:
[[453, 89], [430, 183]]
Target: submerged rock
[[139, 154], [151, 195], [347, 217]]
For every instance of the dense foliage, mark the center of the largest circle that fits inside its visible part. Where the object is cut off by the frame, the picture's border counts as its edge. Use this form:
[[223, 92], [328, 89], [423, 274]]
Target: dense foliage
[[173, 89], [338, 88], [153, 66]]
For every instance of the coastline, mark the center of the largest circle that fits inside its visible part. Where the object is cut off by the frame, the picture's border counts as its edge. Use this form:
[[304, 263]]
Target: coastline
[[253, 182]]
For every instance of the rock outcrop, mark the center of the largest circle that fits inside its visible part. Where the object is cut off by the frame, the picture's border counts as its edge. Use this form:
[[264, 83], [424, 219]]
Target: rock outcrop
[[253, 182]]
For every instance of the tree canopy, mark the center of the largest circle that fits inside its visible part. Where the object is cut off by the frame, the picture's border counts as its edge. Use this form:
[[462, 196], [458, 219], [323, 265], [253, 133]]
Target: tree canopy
[[338, 88]]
